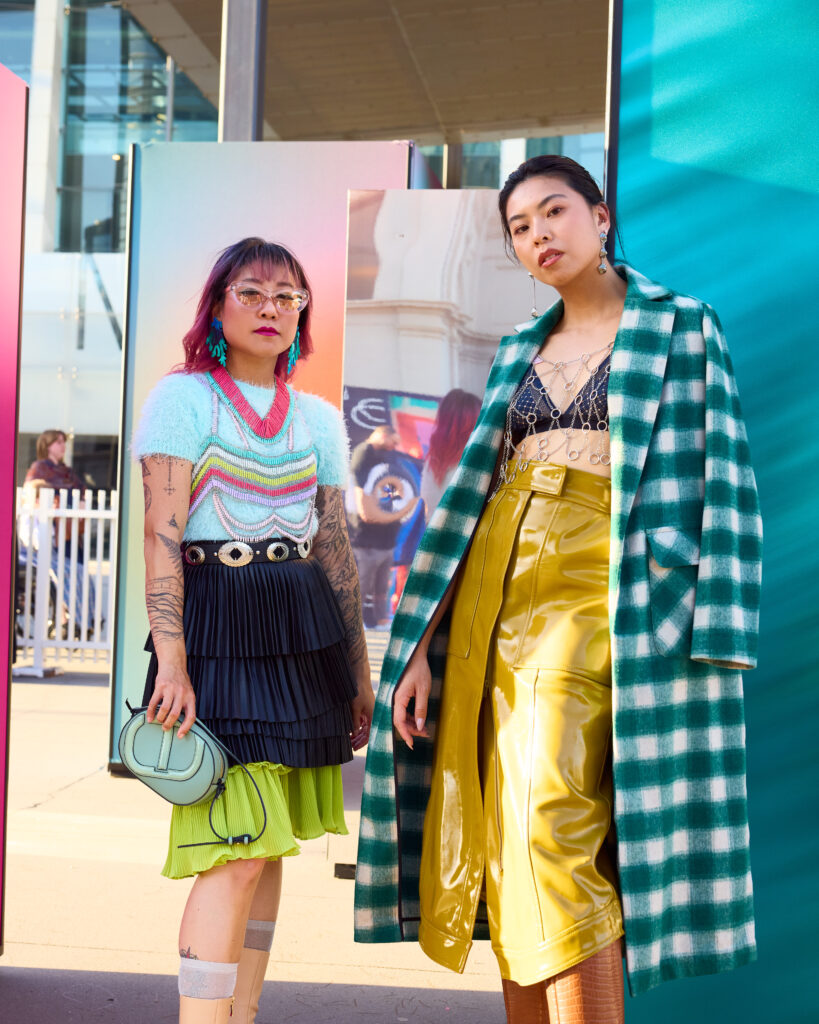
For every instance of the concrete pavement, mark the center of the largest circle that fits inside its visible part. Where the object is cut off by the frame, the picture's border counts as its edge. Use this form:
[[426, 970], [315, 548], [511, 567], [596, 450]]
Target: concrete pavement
[[91, 926]]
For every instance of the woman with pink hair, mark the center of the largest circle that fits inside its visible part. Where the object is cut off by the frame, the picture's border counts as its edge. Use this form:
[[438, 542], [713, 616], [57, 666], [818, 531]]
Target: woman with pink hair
[[254, 608], [454, 422]]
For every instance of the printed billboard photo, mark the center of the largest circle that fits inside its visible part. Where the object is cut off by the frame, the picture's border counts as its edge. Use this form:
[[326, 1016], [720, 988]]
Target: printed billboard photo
[[430, 292]]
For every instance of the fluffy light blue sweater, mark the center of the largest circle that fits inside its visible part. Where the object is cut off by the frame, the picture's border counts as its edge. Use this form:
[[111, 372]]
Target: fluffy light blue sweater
[[178, 419]]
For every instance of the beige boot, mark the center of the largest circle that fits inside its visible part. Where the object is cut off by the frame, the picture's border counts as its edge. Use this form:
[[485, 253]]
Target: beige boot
[[249, 982], [204, 1011]]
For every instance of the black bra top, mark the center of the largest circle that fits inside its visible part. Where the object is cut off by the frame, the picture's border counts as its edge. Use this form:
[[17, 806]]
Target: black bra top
[[532, 411]]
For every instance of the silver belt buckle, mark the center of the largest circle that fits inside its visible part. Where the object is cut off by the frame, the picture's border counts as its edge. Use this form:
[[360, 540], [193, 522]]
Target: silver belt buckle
[[194, 555], [277, 551], [235, 553], [304, 548]]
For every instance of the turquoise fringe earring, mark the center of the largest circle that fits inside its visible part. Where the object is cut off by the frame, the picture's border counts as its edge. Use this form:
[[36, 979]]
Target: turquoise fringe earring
[[217, 346], [293, 352]]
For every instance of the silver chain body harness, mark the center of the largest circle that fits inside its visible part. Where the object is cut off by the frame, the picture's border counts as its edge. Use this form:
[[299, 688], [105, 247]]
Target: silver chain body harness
[[539, 406]]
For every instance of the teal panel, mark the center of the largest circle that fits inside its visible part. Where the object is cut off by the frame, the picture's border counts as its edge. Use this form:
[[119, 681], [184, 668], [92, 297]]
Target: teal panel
[[717, 197], [735, 68]]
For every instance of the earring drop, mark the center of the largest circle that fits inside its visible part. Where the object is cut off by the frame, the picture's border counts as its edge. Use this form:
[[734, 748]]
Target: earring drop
[[293, 352], [217, 345], [534, 312], [602, 268]]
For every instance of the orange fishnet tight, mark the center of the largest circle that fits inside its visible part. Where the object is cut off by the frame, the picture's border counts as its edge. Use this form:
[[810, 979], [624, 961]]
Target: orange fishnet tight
[[591, 992]]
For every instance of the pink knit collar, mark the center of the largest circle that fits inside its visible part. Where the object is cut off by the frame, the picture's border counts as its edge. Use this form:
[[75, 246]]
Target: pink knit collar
[[274, 419]]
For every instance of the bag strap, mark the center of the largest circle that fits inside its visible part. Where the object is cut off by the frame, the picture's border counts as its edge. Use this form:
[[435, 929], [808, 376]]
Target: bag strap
[[246, 838]]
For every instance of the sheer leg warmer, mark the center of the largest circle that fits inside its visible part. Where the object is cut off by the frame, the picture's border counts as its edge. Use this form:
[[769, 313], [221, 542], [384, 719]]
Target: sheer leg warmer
[[252, 967], [205, 991]]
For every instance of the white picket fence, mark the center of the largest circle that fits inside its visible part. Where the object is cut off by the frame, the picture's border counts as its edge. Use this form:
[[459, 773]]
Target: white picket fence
[[64, 599]]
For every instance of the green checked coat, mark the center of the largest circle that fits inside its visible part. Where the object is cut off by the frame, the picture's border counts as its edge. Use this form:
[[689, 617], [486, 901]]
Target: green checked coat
[[683, 601]]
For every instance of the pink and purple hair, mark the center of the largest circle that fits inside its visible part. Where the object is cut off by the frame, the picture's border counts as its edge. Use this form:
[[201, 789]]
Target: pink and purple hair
[[262, 258], [454, 422]]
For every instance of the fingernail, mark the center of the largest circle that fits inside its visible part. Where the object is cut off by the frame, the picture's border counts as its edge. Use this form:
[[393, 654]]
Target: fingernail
[[419, 724]]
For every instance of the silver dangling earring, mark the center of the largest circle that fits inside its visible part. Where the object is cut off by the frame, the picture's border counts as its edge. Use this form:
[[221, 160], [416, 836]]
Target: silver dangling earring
[[602, 269], [534, 312]]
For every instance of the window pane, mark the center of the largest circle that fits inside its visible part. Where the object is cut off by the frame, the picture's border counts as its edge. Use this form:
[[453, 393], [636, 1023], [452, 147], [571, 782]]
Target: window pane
[[16, 37], [115, 93]]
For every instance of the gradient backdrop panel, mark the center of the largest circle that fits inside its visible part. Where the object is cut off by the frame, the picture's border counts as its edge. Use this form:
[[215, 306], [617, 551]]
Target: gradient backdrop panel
[[189, 201], [718, 196], [13, 110]]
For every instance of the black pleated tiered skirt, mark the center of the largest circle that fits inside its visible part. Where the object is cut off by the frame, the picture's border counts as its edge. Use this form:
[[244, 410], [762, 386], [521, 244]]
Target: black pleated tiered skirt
[[269, 667]]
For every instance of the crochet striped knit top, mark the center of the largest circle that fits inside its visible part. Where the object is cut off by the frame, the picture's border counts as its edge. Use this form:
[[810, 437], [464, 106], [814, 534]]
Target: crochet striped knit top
[[258, 454]]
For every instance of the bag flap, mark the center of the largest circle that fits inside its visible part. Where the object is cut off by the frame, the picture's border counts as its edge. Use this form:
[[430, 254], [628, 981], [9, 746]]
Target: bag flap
[[149, 751]]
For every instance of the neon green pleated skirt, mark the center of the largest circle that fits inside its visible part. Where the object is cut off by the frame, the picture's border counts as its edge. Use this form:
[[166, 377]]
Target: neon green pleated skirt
[[301, 803]]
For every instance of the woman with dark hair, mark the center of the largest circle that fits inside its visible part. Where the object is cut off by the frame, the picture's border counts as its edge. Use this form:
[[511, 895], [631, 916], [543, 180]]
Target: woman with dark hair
[[50, 469], [454, 422], [254, 609], [598, 552]]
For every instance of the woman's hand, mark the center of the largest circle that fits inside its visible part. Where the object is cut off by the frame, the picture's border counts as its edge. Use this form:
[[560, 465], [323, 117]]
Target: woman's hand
[[173, 695], [362, 711], [415, 683]]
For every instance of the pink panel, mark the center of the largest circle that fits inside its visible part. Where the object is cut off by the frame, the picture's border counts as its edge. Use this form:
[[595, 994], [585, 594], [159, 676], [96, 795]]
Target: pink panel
[[13, 109]]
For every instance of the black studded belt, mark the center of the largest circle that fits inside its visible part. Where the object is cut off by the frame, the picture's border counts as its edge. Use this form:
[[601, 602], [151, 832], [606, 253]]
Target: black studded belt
[[237, 552]]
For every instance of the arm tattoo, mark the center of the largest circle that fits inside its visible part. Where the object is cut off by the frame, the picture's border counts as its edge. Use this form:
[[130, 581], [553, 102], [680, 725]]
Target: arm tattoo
[[174, 551], [146, 490], [171, 460], [164, 600], [332, 548]]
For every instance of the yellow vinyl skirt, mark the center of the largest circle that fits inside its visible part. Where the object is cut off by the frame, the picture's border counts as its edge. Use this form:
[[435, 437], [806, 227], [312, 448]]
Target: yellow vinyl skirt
[[521, 799]]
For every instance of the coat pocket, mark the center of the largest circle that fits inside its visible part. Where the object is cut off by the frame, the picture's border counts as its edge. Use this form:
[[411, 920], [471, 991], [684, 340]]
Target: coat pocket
[[673, 556]]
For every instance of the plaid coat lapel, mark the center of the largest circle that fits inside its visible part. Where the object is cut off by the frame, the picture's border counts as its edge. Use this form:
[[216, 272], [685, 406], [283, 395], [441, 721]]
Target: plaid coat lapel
[[638, 364]]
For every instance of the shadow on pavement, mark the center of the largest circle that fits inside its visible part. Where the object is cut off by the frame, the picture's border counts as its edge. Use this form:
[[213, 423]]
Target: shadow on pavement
[[38, 996], [101, 679]]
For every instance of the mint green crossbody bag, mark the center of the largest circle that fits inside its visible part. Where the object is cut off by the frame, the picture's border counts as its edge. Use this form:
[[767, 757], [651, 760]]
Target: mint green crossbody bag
[[183, 771]]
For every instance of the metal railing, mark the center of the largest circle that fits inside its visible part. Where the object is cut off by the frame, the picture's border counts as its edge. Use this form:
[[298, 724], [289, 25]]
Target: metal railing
[[64, 593]]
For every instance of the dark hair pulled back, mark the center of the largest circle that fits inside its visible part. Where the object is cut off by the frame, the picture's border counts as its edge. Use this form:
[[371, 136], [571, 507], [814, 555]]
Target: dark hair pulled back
[[569, 171]]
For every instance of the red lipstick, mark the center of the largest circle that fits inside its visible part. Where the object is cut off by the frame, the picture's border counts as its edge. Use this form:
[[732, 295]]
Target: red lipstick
[[549, 257]]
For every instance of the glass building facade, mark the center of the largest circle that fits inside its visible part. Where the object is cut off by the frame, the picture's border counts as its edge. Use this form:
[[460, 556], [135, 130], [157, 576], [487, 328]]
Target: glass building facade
[[119, 88], [16, 31], [487, 164]]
